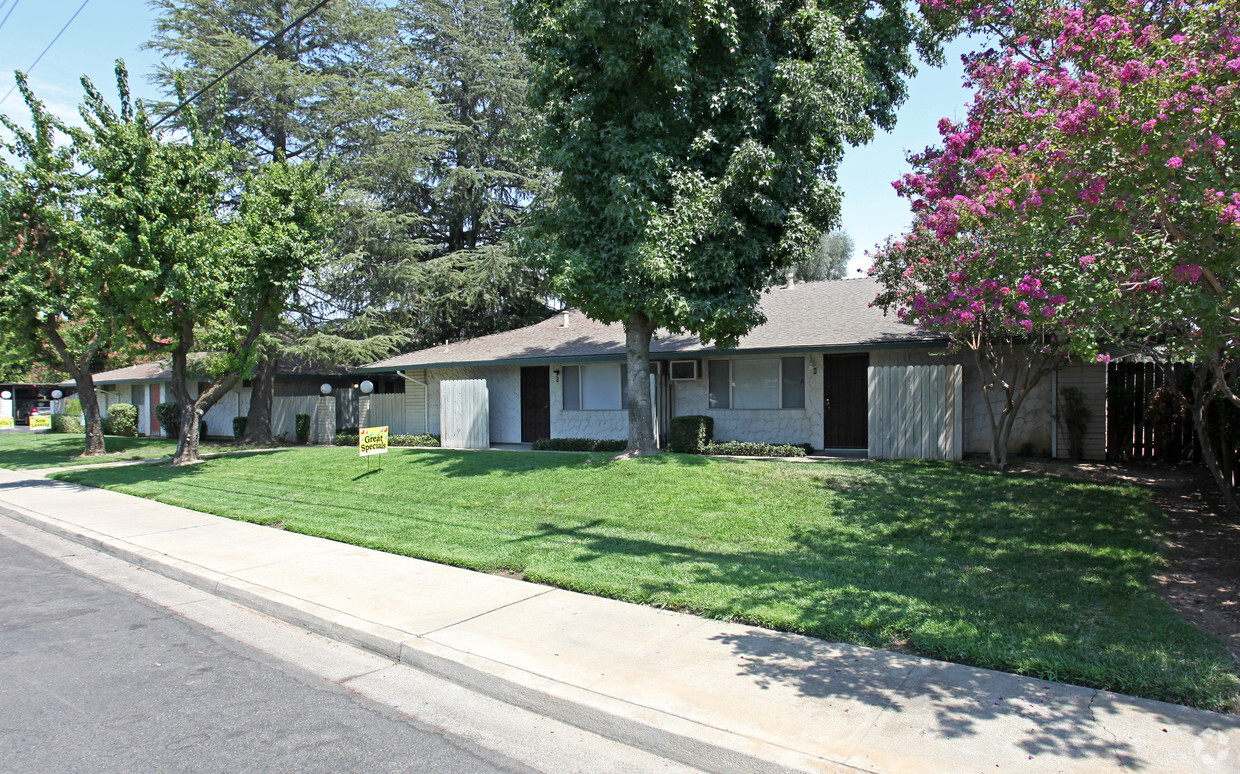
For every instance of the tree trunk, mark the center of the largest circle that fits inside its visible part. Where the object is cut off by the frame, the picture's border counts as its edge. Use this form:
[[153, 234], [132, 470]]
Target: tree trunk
[[262, 393], [1203, 392], [637, 332], [79, 369], [187, 435], [90, 414]]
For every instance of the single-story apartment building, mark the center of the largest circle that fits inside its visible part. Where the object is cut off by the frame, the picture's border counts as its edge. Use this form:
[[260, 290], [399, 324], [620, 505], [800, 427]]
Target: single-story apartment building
[[297, 391], [826, 369]]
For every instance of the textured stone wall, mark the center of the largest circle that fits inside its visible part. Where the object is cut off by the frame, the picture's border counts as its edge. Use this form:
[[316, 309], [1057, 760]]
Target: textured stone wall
[[758, 425]]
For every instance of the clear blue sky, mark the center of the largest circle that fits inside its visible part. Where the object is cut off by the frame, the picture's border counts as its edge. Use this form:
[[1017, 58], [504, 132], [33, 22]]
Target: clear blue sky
[[107, 29]]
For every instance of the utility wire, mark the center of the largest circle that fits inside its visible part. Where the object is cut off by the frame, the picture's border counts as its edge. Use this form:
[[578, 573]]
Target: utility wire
[[234, 68], [45, 50], [10, 13]]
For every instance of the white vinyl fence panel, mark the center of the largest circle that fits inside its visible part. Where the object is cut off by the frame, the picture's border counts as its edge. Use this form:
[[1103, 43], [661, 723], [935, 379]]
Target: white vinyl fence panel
[[388, 409], [284, 411], [464, 414], [915, 412]]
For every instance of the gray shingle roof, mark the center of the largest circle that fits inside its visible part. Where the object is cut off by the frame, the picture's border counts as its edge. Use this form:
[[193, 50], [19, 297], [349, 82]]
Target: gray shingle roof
[[161, 371], [834, 314]]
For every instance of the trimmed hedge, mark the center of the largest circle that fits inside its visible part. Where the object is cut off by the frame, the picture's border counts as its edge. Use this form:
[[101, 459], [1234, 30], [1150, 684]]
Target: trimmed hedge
[[124, 418], [169, 414], [67, 423], [105, 425], [303, 429], [579, 445], [688, 434], [345, 438], [746, 449], [239, 427]]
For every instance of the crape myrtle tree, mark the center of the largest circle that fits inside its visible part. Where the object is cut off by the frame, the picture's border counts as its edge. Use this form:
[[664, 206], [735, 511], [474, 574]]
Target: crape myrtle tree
[[189, 272], [50, 309], [1101, 146], [696, 145]]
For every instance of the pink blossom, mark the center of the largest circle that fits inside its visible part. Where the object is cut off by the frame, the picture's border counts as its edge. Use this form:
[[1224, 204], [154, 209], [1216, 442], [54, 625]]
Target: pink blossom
[[1175, 162]]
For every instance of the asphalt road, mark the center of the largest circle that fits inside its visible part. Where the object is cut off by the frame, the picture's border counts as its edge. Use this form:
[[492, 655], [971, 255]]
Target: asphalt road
[[96, 679]]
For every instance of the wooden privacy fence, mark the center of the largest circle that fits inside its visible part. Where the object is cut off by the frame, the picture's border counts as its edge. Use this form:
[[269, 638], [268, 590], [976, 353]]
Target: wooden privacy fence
[[464, 414], [1133, 431], [915, 412]]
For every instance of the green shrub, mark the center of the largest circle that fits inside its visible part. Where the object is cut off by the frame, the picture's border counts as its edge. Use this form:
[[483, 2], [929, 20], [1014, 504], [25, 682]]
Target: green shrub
[[239, 427], [746, 449], [347, 438], [303, 428], [689, 434], [202, 429], [105, 426], [579, 445], [124, 418], [67, 423], [169, 414], [73, 407]]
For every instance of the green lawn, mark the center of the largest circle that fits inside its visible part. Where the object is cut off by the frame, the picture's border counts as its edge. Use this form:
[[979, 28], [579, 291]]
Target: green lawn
[[1027, 574], [28, 451]]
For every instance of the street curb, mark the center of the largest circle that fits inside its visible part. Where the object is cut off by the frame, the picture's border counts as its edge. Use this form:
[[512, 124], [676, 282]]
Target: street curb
[[654, 731]]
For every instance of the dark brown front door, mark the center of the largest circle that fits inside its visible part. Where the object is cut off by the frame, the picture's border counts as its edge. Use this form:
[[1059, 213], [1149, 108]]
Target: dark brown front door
[[845, 403], [535, 403]]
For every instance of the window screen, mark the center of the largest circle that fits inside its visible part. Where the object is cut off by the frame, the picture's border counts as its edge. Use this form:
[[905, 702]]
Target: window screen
[[755, 383], [720, 384], [600, 387], [792, 383], [572, 388]]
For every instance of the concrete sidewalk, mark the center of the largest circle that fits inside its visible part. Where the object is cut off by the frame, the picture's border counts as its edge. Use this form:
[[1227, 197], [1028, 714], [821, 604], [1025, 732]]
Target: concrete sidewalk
[[718, 696]]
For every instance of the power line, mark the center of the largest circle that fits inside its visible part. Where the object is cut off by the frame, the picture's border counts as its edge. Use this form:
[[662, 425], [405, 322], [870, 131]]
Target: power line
[[45, 50], [234, 68], [10, 13]]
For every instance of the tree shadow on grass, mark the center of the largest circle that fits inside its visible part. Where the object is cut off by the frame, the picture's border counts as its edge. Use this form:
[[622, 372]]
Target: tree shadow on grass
[[453, 463]]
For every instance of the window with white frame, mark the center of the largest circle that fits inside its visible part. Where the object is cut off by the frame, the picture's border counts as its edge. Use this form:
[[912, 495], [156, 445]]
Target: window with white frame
[[596, 387], [757, 383]]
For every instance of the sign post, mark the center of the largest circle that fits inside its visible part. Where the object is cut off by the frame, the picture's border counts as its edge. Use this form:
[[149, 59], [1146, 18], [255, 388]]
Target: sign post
[[372, 441]]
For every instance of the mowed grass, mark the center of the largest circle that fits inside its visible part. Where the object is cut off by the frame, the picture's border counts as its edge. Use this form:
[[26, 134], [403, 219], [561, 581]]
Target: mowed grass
[[1027, 574], [29, 451]]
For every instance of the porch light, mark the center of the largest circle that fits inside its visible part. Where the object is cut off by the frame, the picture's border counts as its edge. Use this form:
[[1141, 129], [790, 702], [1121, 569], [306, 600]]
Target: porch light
[[367, 387], [57, 394], [325, 389], [6, 394], [557, 375]]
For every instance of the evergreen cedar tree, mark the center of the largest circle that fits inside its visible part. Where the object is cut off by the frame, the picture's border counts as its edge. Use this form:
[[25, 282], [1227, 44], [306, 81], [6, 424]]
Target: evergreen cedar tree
[[1090, 195], [418, 112], [695, 146]]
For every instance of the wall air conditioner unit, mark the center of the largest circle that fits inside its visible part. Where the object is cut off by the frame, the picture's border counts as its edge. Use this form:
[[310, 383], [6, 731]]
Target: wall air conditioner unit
[[684, 370]]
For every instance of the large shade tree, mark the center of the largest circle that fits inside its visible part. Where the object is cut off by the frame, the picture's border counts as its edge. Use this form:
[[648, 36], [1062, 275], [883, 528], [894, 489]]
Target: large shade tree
[[696, 145], [188, 269], [50, 309]]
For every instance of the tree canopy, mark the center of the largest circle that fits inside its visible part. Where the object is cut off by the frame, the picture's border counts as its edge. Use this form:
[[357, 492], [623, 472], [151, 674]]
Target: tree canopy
[[695, 146]]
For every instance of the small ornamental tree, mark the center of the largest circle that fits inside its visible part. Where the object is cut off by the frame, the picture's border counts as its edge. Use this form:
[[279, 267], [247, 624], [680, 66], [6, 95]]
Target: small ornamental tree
[[49, 285], [695, 145], [1101, 149], [1005, 315]]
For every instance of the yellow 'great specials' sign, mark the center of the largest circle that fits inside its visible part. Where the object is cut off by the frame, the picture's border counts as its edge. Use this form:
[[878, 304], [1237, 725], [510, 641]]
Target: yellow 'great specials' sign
[[6, 421], [372, 440]]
